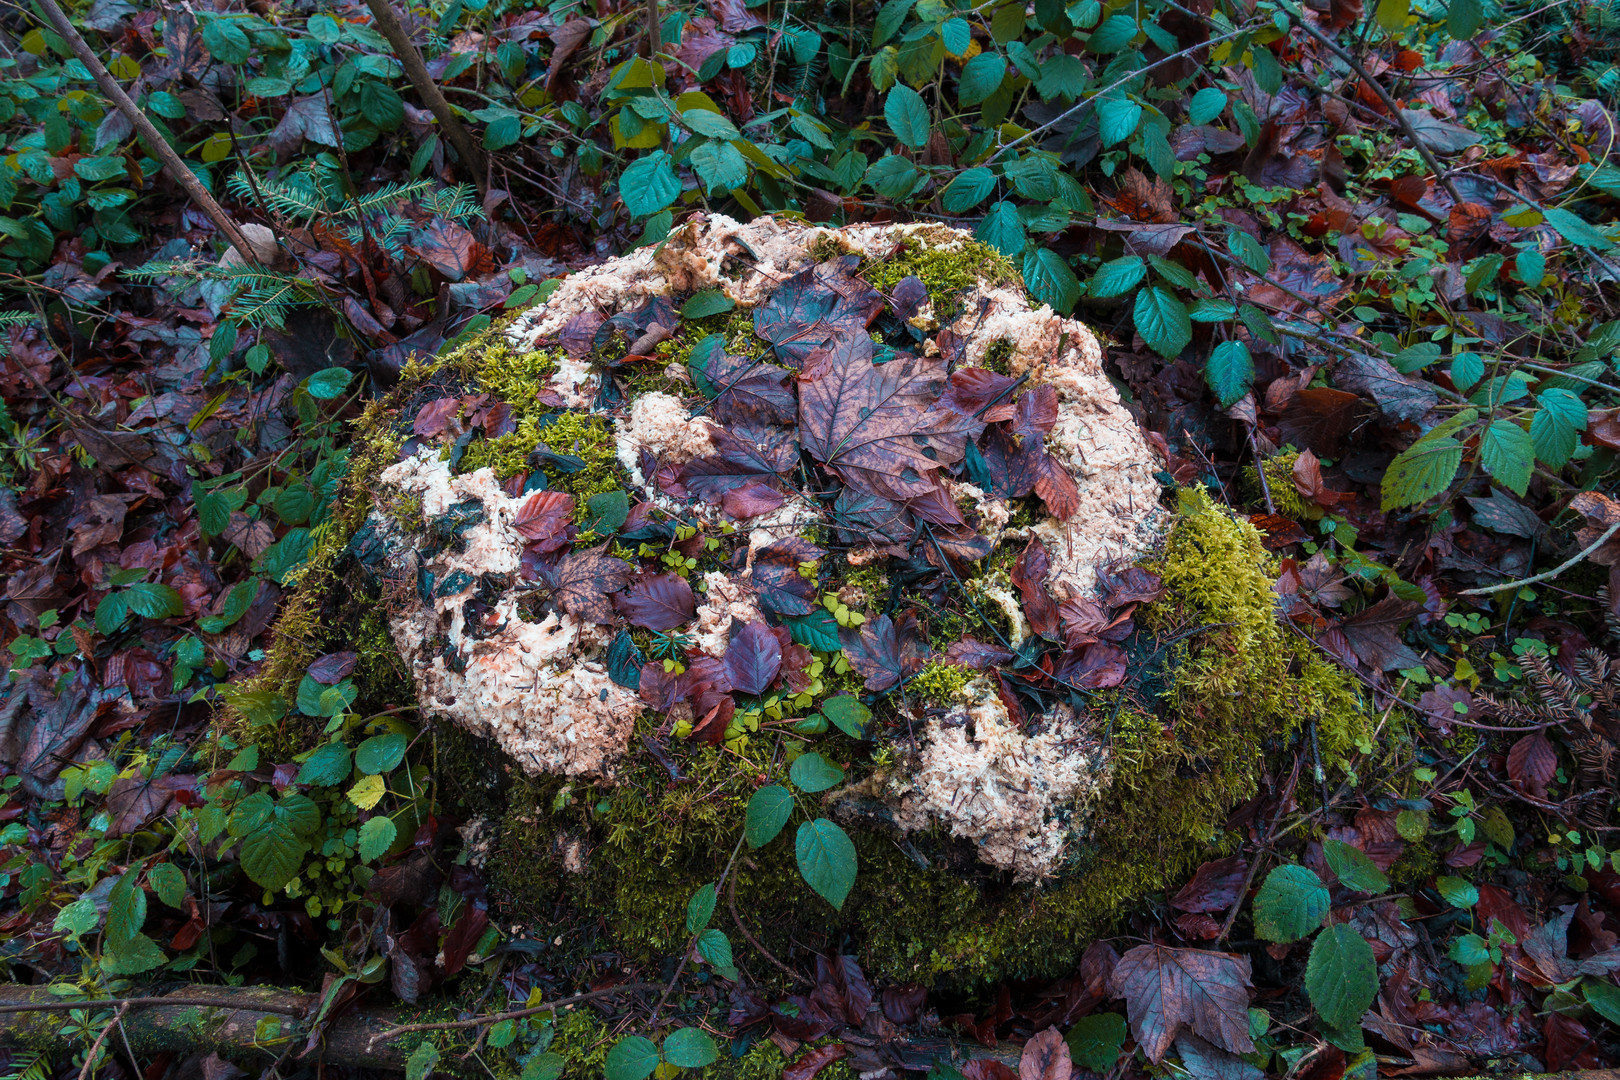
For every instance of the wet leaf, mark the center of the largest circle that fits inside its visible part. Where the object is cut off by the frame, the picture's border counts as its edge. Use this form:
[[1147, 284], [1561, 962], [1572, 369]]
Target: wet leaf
[[1168, 990], [658, 602], [753, 658], [883, 651]]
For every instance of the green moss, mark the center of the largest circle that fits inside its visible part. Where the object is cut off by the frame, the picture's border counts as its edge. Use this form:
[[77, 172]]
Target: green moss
[[945, 271], [1280, 482], [998, 354], [940, 684]]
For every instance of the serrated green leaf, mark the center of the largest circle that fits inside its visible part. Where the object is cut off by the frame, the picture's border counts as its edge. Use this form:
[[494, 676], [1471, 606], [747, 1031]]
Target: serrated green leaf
[[272, 857], [1117, 277], [1048, 278], [328, 384], [907, 116], [1229, 372], [1247, 250], [328, 766], [890, 17], [1113, 34], [126, 909], [720, 166], [847, 714], [1206, 105], [1354, 869], [632, 1058], [377, 835], [1003, 229], [981, 77], [1095, 1041], [700, 909], [811, 772], [1467, 368], [132, 957], [712, 124], [1341, 977], [380, 753], [649, 184], [1555, 428], [1458, 892], [1576, 229], [967, 189], [956, 35], [168, 882], [1420, 472], [817, 630], [690, 1048], [715, 947], [423, 1060], [1162, 321], [1464, 18], [1604, 997], [826, 859], [768, 810], [544, 1066], [1117, 118], [1290, 904], [1508, 454], [152, 600]]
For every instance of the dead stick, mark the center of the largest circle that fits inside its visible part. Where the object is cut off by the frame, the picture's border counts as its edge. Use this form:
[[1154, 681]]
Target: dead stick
[[515, 1014], [171, 162], [1549, 574], [95, 1047], [472, 155], [233, 1002]]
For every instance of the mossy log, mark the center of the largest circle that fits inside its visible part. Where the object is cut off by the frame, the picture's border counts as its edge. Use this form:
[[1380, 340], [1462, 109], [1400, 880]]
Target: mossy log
[[990, 844]]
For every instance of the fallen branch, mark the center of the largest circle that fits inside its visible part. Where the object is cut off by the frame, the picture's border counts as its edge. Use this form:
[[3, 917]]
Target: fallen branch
[[514, 1014], [1550, 574]]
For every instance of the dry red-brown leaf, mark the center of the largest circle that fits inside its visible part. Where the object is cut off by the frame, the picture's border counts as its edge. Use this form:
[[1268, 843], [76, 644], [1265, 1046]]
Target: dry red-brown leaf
[[658, 602], [435, 416], [971, 653], [1029, 575], [1569, 1044], [332, 668], [544, 517], [1167, 990], [1307, 477], [565, 40], [1276, 531], [1046, 1057], [884, 651], [753, 658], [904, 1004], [987, 1069], [1375, 634], [1320, 418], [1532, 764], [1214, 887], [583, 583], [814, 1060]]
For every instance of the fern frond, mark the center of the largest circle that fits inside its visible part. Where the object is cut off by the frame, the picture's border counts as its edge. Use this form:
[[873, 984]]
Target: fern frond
[[16, 318], [26, 1065], [293, 196], [455, 203], [386, 196]]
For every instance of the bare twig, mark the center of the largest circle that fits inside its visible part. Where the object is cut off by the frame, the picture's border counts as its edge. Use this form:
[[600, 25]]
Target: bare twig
[[472, 155], [170, 161], [1549, 574], [731, 902], [95, 1048], [515, 1014], [235, 1003]]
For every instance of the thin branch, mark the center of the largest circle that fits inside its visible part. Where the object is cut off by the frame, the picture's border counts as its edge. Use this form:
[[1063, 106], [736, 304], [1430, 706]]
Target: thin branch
[[1550, 574], [515, 1014], [95, 1048], [170, 161], [235, 1004]]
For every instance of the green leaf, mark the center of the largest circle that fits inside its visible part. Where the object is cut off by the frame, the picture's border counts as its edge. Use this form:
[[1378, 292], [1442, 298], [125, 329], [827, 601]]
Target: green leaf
[[1391, 16], [1113, 35], [328, 766], [1290, 904], [981, 77], [1341, 977], [1118, 277], [1464, 18], [77, 918], [328, 384], [423, 1060], [720, 166], [607, 511], [826, 859], [1420, 472], [140, 953], [1576, 229], [649, 184], [1003, 229], [380, 753], [706, 303], [817, 630], [1095, 1041], [907, 116], [968, 188], [1117, 118], [715, 947], [502, 1034], [1508, 454], [1458, 892], [1230, 371], [1354, 869], [956, 35], [545, 1066], [1048, 278], [892, 177], [1162, 321], [126, 909], [890, 17], [1555, 427], [99, 168], [272, 857], [168, 882], [811, 772], [1247, 250], [376, 837], [1467, 368], [690, 1048], [632, 1058], [700, 909], [712, 124], [768, 810], [151, 600], [1603, 997], [1206, 105], [847, 714]]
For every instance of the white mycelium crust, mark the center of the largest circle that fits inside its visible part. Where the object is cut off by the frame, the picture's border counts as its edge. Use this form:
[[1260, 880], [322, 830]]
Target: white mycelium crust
[[540, 689]]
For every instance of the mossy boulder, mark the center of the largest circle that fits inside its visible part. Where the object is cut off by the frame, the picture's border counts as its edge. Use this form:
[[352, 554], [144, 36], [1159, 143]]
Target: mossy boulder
[[767, 491]]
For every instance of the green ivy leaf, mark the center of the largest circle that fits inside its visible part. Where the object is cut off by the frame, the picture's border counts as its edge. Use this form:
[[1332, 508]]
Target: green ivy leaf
[[1095, 1041], [1049, 279], [811, 772], [1003, 229], [1290, 904], [328, 766], [968, 188], [1354, 869], [826, 859], [328, 384], [1118, 277], [1162, 321], [632, 1058], [377, 835], [981, 77], [380, 753], [1508, 454], [1230, 371], [700, 909], [1206, 105], [690, 1048], [768, 810], [1341, 977], [907, 116], [649, 184]]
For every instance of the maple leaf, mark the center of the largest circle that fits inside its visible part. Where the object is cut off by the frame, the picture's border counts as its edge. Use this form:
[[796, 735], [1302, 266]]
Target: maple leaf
[[816, 304], [744, 454], [884, 651], [750, 391], [776, 578], [1375, 634], [658, 602], [544, 517], [753, 658], [880, 428], [583, 583], [1166, 990]]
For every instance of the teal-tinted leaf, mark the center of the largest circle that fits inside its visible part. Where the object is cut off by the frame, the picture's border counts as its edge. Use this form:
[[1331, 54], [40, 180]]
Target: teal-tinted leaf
[[712, 124], [1208, 309], [817, 630], [1420, 472], [1118, 277], [768, 810], [1290, 904], [328, 384], [272, 856], [715, 947], [649, 184], [690, 1048], [380, 753], [328, 766], [1247, 250], [1117, 118], [1464, 18], [632, 1058], [907, 116], [700, 909], [1467, 368], [1508, 454], [1049, 279], [1113, 35], [1354, 869], [1162, 321], [1003, 229], [811, 772], [544, 1066], [890, 17], [968, 188], [132, 957], [152, 600], [826, 859], [1604, 998], [1577, 230], [126, 908], [1095, 1041], [168, 882], [423, 1060], [1482, 273], [1458, 892], [706, 303], [1555, 427], [1229, 372], [99, 168], [377, 835], [981, 77], [607, 511], [1206, 105], [956, 35], [847, 714], [1061, 76], [893, 177], [720, 166], [1341, 977]]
